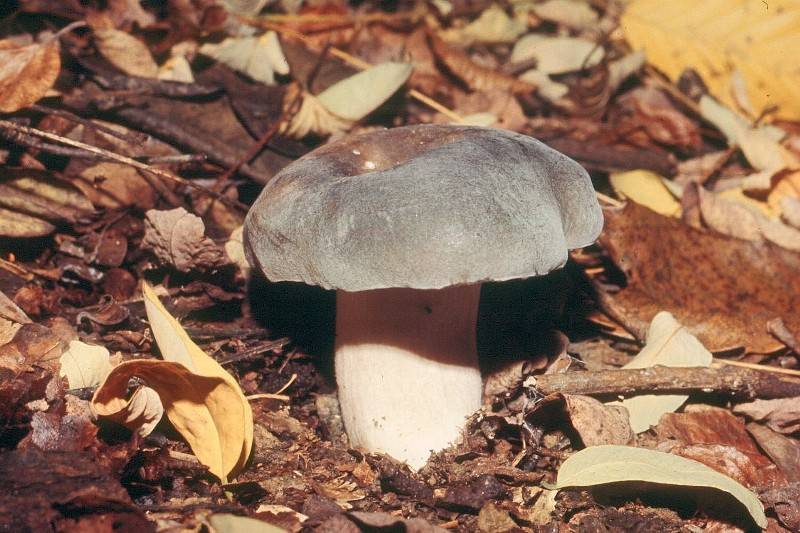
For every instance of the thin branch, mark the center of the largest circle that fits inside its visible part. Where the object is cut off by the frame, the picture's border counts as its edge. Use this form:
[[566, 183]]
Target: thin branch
[[125, 160], [737, 382]]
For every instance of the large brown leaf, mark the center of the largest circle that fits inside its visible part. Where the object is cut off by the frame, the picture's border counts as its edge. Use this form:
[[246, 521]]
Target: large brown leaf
[[723, 289]]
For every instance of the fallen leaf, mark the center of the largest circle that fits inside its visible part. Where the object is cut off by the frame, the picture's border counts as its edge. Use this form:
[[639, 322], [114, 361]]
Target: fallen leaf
[[177, 238], [573, 14], [231, 523], [724, 290], [357, 96], [26, 73], [32, 202], [244, 7], [645, 115], [476, 77], [751, 38], [706, 425], [781, 414], [668, 344], [203, 401], [314, 118], [751, 470], [388, 522], [126, 52], [33, 345], [493, 519], [784, 502], [600, 465], [597, 423], [113, 185], [646, 188], [234, 249], [85, 365], [557, 55], [784, 451], [492, 26], [259, 57]]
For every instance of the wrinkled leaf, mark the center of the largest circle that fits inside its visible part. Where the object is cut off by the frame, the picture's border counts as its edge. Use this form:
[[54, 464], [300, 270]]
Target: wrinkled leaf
[[359, 95], [177, 238], [722, 37], [724, 290], [259, 57], [668, 344], [557, 55], [597, 423], [126, 52], [26, 73], [646, 188], [600, 465], [85, 365]]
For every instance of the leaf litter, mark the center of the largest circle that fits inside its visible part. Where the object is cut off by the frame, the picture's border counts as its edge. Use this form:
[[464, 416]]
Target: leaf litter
[[189, 110]]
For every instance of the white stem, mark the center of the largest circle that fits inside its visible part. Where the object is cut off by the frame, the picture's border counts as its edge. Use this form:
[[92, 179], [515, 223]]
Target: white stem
[[407, 368]]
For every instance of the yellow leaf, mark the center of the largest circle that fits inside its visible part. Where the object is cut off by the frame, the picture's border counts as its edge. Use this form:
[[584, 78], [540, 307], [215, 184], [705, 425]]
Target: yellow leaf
[[719, 37], [26, 73], [648, 189], [202, 400]]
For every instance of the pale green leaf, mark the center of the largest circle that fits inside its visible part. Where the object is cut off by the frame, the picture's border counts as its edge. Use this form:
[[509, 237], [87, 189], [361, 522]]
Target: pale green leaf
[[599, 465], [359, 95]]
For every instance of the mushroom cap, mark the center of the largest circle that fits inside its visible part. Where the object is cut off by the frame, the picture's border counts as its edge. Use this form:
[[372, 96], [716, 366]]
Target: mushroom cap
[[423, 207]]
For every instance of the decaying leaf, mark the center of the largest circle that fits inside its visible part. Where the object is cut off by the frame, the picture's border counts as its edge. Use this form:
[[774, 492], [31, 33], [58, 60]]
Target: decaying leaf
[[668, 344], [126, 52], [724, 290], [85, 365], [32, 202], [203, 401], [113, 185], [600, 465], [26, 73], [784, 451], [476, 77], [177, 238], [259, 57], [646, 188], [597, 423], [557, 55], [782, 414], [751, 39], [11, 319]]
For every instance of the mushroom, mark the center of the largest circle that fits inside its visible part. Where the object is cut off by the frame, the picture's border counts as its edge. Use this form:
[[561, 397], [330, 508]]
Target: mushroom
[[406, 224]]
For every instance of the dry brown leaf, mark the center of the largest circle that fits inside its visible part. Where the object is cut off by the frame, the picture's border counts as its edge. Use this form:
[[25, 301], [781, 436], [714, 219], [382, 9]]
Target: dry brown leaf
[[35, 201], [26, 73], [724, 290], [646, 110], [782, 414], [125, 52], [113, 186], [597, 423], [32, 345], [177, 238], [784, 451], [475, 76]]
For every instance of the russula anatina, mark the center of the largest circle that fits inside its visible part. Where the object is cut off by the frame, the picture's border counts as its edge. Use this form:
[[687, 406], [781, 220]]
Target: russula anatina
[[405, 224]]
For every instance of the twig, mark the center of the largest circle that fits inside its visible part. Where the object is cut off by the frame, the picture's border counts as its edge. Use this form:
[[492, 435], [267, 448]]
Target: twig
[[738, 382], [268, 396], [131, 138], [719, 363], [5, 124]]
